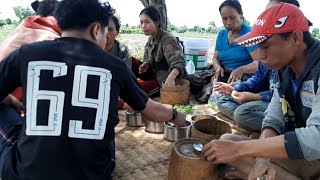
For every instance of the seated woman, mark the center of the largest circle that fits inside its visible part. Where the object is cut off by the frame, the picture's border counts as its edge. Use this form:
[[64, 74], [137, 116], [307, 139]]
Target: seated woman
[[163, 54], [232, 62], [114, 47]]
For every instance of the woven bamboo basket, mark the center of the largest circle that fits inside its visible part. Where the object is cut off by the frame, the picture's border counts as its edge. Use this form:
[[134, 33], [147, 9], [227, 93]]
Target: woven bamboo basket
[[209, 129], [188, 164], [179, 94]]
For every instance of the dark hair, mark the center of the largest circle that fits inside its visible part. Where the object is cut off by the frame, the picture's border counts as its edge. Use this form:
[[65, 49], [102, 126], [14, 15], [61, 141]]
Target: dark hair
[[294, 2], [79, 14], [232, 3], [307, 38], [46, 7], [116, 22], [153, 13]]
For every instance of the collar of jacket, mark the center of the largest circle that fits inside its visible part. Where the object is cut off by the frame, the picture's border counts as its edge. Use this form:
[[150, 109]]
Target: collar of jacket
[[158, 37], [312, 59]]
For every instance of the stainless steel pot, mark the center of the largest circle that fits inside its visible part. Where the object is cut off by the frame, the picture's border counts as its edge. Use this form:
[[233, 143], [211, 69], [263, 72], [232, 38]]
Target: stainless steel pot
[[154, 127], [171, 133], [134, 119]]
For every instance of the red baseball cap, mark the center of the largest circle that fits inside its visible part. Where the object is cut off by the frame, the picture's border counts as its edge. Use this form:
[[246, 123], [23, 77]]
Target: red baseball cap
[[281, 18]]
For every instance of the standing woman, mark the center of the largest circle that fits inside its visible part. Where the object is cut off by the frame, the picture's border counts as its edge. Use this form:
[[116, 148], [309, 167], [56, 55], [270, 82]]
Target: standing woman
[[162, 51], [232, 62]]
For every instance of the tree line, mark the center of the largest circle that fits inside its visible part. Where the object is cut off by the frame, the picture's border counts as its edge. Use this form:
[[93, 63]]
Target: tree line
[[22, 12]]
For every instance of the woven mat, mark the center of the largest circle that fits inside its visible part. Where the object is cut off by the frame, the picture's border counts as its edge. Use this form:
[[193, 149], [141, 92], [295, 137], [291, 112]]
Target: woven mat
[[140, 155], [144, 156]]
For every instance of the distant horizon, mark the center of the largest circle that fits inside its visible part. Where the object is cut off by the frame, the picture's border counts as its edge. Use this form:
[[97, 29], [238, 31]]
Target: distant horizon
[[181, 12]]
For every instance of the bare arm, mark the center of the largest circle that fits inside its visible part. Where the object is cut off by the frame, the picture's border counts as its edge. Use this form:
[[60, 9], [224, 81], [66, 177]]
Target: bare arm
[[219, 71], [215, 60], [172, 76], [157, 112], [271, 147], [250, 68]]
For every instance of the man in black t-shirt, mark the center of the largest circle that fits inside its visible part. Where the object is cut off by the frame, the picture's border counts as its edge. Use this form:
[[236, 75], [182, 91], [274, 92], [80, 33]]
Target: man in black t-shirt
[[71, 87]]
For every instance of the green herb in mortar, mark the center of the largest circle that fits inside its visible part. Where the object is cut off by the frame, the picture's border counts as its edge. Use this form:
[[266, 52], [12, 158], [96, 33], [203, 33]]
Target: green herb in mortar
[[186, 109]]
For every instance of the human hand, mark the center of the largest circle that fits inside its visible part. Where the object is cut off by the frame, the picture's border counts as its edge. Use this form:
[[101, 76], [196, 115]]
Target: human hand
[[144, 67], [170, 81], [223, 88], [235, 75], [243, 97], [180, 120], [220, 151], [262, 168], [219, 72], [127, 107]]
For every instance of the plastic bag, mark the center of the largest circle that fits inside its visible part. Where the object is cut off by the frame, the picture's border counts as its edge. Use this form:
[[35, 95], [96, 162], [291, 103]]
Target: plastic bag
[[214, 98], [190, 68]]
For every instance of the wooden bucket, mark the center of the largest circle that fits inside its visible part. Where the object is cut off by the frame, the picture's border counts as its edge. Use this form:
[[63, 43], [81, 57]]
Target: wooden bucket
[[209, 129], [179, 94], [188, 164]]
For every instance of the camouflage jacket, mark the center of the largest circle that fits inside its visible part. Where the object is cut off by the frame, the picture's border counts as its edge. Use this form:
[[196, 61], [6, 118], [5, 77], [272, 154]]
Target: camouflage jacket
[[164, 53]]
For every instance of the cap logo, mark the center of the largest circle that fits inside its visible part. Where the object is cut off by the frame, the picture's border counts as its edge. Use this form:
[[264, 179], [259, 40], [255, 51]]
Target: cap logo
[[281, 22], [259, 22]]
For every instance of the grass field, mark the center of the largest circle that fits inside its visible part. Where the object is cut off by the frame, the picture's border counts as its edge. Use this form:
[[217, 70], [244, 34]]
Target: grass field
[[5, 30], [136, 42]]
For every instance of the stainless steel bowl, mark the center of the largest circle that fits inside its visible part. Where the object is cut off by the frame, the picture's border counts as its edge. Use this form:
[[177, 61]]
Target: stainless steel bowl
[[134, 119], [154, 127], [171, 133]]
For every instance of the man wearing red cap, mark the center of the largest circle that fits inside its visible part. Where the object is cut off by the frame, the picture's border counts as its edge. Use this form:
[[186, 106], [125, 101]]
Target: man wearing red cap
[[288, 147]]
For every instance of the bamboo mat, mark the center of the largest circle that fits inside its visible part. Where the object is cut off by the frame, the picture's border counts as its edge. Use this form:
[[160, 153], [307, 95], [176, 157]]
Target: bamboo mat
[[140, 155], [144, 156]]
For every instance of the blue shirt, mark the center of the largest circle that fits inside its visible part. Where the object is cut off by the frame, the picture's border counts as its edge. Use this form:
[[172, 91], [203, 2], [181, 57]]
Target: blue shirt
[[233, 55]]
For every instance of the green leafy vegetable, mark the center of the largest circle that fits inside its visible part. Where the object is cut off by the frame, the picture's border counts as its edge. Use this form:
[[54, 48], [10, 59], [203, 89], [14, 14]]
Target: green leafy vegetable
[[186, 109]]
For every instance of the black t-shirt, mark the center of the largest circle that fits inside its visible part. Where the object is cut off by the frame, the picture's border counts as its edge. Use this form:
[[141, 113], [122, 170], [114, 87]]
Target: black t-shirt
[[71, 89]]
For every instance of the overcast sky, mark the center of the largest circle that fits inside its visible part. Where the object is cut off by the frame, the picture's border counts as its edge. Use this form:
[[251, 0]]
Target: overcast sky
[[184, 12]]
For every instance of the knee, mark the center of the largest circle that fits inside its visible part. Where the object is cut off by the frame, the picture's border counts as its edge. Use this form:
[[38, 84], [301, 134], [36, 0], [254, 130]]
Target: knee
[[241, 114]]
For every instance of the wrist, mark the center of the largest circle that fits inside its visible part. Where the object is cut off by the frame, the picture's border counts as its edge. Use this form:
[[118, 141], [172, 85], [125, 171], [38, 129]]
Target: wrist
[[174, 115], [256, 97], [242, 68], [174, 74]]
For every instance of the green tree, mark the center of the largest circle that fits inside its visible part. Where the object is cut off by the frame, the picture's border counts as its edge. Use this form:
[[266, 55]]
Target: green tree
[[2, 22], [212, 28], [315, 32], [8, 21], [170, 26], [182, 29], [22, 12]]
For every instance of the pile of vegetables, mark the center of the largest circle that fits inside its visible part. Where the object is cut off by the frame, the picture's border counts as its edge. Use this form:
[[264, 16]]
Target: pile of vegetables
[[185, 109]]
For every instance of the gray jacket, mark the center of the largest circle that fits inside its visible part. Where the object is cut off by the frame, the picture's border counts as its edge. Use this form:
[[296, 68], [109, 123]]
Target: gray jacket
[[303, 133], [122, 52]]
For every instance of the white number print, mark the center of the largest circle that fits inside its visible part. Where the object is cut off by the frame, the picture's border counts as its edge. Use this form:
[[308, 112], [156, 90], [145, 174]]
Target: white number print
[[56, 99], [101, 104]]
